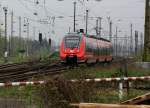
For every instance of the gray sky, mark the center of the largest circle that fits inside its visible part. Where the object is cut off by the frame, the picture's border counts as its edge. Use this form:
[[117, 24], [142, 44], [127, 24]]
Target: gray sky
[[121, 12]]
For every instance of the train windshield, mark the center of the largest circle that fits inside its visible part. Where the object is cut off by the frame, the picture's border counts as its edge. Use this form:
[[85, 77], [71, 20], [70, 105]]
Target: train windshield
[[72, 41]]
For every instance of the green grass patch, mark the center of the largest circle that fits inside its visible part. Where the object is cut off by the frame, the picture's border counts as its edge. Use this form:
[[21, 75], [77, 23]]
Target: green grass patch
[[108, 71], [111, 96], [17, 92]]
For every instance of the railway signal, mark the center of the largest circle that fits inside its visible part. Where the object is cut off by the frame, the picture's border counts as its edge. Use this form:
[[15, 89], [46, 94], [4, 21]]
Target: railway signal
[[50, 41], [40, 38]]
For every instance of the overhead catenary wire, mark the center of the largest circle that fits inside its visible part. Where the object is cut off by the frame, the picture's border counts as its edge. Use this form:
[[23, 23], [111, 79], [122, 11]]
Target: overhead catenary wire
[[58, 12], [39, 21], [45, 7]]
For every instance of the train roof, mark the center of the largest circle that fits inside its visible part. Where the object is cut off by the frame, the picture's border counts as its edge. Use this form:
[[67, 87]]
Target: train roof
[[90, 36], [73, 34], [96, 37]]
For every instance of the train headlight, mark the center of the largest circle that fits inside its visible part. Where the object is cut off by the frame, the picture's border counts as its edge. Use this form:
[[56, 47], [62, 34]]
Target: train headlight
[[71, 51]]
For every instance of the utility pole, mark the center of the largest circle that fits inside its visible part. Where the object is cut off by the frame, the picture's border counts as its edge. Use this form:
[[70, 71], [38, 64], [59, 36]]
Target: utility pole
[[86, 28], [34, 31], [116, 40], [27, 41], [126, 45], [74, 26], [5, 48], [136, 42], [19, 33], [131, 40], [0, 23], [11, 35], [110, 30], [100, 25], [0, 39], [96, 27], [69, 29], [141, 41], [0, 32], [147, 32]]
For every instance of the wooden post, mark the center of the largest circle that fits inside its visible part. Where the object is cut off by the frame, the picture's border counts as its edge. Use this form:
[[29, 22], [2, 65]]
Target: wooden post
[[96, 105]]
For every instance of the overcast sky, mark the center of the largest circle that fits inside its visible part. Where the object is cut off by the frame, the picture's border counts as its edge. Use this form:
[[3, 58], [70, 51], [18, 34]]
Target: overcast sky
[[121, 12]]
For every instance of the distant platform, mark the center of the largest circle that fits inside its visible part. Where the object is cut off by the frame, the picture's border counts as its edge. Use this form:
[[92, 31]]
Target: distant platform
[[145, 65]]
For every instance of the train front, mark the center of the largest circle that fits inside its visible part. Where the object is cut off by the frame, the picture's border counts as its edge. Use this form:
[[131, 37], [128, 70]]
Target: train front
[[72, 48]]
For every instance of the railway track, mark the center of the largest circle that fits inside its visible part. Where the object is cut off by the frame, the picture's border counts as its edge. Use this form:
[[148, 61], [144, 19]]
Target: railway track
[[27, 70], [17, 64]]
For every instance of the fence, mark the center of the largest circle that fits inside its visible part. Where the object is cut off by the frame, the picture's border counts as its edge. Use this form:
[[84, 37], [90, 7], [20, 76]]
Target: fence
[[102, 90], [120, 83]]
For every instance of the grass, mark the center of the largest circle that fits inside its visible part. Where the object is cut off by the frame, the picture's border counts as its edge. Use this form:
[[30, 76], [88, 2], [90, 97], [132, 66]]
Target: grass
[[17, 92], [107, 71], [135, 71], [139, 56], [112, 95], [26, 93], [23, 58], [16, 59], [94, 71]]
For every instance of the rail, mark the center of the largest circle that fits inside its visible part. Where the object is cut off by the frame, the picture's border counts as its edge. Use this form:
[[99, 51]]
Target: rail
[[24, 71]]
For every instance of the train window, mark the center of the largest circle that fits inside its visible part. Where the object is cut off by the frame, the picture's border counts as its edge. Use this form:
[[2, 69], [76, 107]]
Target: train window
[[107, 50], [104, 50], [72, 42], [89, 46], [100, 51]]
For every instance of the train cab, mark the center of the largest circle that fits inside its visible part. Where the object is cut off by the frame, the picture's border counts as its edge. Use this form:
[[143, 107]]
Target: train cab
[[72, 48]]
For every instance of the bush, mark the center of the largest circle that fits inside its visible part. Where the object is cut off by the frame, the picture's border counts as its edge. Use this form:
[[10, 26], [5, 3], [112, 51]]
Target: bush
[[59, 93]]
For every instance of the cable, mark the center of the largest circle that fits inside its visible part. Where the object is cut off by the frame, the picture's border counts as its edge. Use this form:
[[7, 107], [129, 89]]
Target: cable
[[46, 8], [25, 6]]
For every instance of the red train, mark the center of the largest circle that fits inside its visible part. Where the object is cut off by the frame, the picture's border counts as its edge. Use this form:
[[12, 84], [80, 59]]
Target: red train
[[78, 48]]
